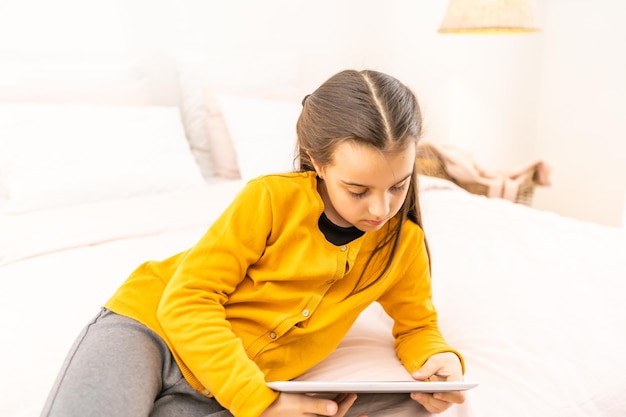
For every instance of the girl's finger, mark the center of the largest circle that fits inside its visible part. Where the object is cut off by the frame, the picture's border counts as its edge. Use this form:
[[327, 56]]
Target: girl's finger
[[345, 403], [456, 397]]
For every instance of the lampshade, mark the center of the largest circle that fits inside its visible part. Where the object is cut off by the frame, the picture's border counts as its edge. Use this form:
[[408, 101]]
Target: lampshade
[[490, 16]]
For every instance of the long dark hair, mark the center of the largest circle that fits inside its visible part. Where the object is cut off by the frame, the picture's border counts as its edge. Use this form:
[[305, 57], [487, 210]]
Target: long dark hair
[[371, 108]]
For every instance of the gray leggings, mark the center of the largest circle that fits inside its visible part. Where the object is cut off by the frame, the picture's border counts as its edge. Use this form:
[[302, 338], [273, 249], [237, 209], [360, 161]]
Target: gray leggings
[[120, 368]]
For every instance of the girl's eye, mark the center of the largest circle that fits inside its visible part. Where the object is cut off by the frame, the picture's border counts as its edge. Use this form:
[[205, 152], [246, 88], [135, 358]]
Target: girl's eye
[[395, 189], [399, 187]]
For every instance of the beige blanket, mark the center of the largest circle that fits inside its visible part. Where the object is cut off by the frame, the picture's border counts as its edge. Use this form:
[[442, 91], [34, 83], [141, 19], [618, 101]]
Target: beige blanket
[[461, 166]]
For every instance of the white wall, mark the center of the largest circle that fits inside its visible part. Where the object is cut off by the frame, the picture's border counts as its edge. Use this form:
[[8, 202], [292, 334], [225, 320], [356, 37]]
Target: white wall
[[582, 117]]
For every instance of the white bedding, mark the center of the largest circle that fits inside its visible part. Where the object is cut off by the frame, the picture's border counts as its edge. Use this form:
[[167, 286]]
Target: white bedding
[[531, 299], [535, 303]]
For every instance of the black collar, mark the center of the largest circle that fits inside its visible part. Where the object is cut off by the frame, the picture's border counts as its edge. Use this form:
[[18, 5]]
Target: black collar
[[338, 235]]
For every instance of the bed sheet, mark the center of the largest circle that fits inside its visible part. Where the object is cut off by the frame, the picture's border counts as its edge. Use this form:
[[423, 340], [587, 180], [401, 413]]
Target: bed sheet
[[535, 303], [58, 266], [531, 299]]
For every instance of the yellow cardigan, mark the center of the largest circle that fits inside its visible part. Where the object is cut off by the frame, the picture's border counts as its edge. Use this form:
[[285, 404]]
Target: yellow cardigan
[[264, 296]]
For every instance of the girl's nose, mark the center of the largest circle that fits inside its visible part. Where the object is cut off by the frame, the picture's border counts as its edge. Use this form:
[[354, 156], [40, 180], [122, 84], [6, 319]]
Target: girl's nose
[[379, 207]]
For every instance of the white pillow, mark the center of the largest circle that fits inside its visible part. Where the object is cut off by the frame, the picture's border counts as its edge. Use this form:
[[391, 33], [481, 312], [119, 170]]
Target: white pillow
[[263, 133], [223, 154], [240, 72], [54, 155], [131, 93], [61, 73]]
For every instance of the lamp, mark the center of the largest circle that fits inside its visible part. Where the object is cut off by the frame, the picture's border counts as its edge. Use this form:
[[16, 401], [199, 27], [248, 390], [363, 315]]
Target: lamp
[[490, 16]]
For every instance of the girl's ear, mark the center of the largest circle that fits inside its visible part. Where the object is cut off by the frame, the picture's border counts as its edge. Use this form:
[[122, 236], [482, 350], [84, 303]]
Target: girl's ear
[[318, 168]]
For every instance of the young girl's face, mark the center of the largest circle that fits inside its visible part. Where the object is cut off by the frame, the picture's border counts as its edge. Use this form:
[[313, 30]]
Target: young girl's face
[[363, 186]]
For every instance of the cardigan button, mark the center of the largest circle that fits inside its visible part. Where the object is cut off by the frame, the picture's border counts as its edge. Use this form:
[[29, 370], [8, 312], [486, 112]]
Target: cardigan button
[[305, 313], [272, 335], [344, 248]]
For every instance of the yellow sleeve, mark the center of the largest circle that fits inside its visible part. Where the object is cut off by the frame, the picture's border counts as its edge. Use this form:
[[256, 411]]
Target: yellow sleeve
[[192, 311], [409, 303]]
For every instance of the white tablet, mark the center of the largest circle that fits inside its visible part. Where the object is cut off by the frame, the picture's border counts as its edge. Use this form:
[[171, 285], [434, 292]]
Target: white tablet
[[368, 386]]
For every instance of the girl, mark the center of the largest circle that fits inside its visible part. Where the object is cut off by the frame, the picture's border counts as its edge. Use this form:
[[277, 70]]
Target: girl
[[278, 279]]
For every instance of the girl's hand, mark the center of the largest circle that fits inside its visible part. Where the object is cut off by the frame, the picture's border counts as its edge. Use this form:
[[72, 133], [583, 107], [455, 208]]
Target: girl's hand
[[295, 405], [440, 367]]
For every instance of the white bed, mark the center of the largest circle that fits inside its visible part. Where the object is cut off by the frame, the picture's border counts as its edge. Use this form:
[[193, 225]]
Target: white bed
[[533, 300]]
